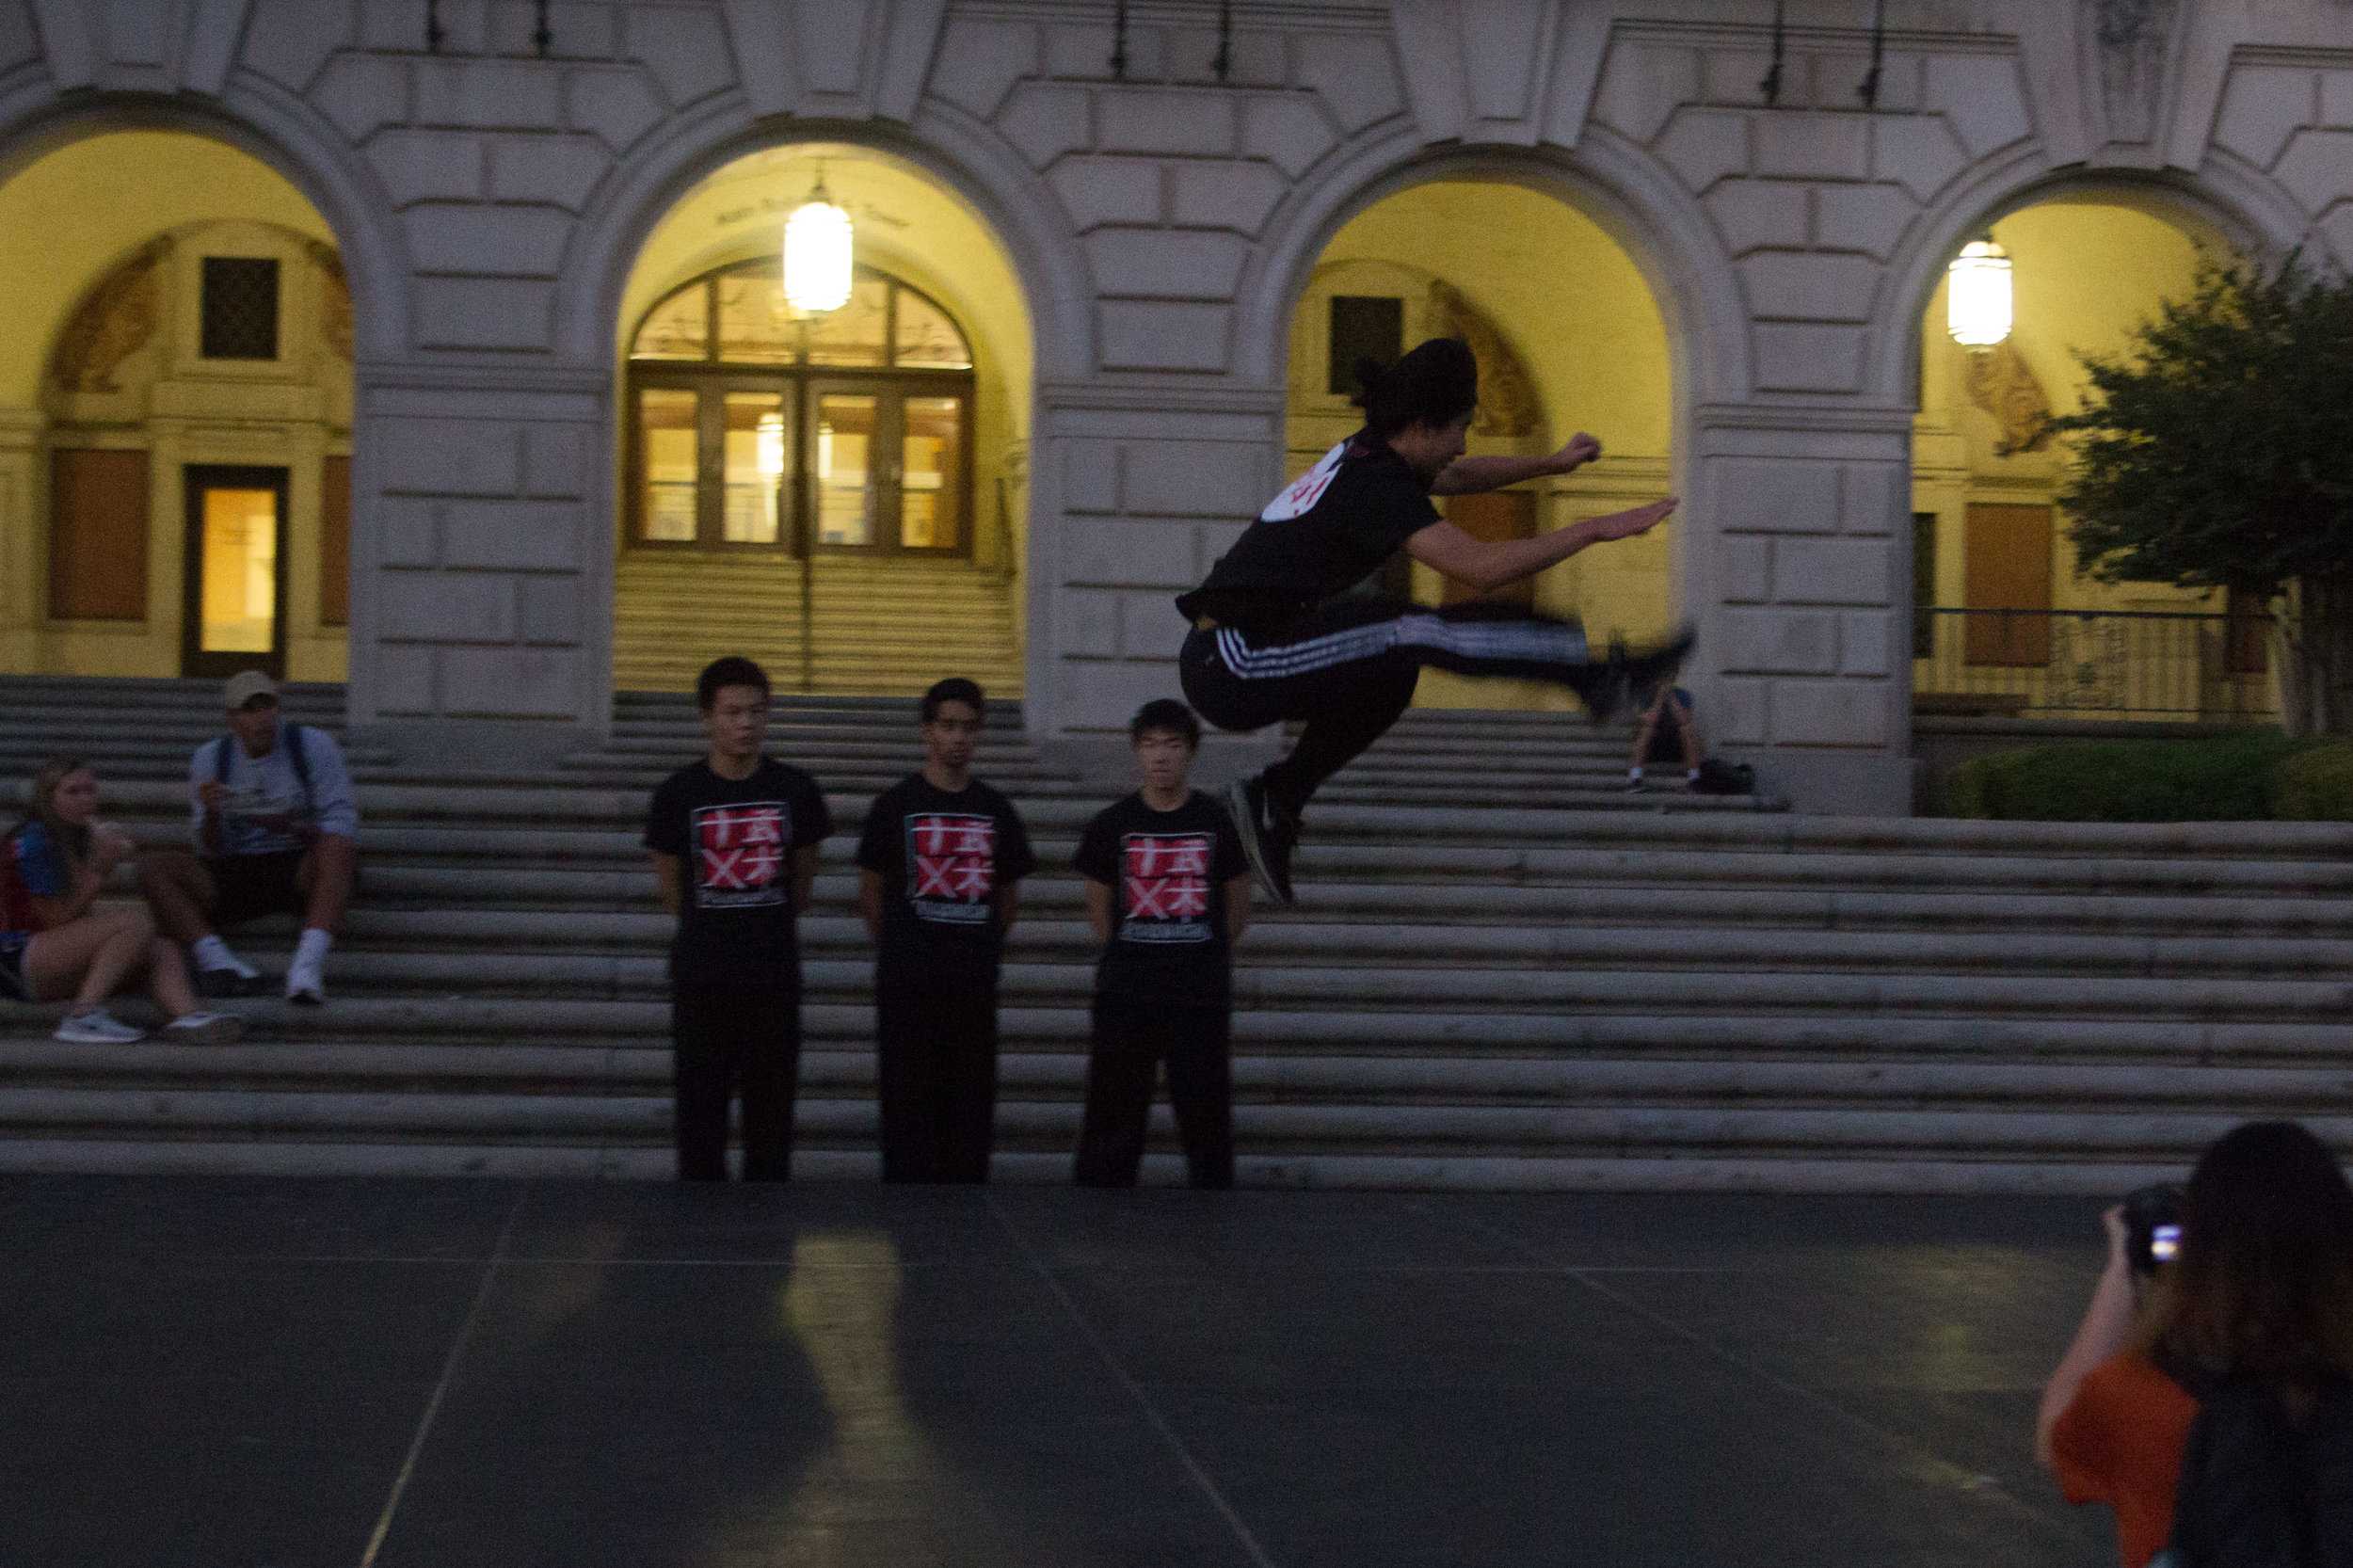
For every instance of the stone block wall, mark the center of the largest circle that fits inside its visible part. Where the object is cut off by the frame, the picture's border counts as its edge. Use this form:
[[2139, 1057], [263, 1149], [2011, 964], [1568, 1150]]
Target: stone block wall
[[489, 200]]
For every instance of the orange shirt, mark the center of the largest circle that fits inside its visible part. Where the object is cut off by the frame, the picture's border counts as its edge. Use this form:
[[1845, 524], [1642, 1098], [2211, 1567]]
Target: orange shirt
[[2119, 1442]]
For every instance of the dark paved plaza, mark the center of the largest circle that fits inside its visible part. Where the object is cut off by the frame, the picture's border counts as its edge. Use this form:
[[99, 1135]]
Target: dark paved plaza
[[263, 1373]]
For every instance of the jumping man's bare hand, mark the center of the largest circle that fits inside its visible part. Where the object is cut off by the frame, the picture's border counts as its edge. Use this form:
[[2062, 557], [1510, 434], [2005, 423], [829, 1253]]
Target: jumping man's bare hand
[[1641, 520]]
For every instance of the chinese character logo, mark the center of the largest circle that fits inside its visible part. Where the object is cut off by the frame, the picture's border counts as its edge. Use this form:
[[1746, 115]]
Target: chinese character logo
[[952, 865], [1164, 886], [739, 854]]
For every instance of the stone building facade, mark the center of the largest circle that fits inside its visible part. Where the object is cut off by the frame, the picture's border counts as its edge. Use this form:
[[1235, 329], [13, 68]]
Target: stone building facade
[[489, 189]]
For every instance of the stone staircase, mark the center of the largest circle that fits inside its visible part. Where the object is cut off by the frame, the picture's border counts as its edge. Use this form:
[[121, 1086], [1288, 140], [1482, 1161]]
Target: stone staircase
[[877, 626], [1480, 987]]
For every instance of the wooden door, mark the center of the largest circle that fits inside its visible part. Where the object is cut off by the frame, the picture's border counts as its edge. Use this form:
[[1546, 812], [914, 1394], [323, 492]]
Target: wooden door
[[235, 566], [2006, 566]]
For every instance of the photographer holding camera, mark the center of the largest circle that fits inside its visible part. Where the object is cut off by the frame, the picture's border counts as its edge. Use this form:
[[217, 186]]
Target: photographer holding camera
[[2208, 1400]]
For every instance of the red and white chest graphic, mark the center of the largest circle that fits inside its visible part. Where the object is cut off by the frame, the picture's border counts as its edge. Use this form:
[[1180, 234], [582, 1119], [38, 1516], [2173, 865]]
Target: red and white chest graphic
[[1164, 887], [951, 863], [739, 853], [1301, 495]]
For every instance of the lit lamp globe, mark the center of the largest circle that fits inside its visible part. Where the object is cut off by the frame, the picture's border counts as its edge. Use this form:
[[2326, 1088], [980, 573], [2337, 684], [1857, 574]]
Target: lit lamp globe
[[1977, 294], [817, 256]]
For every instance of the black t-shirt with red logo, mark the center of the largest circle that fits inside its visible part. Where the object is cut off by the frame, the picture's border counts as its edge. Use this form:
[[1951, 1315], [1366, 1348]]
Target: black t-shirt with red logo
[[942, 858], [1167, 872], [734, 839], [1330, 529]]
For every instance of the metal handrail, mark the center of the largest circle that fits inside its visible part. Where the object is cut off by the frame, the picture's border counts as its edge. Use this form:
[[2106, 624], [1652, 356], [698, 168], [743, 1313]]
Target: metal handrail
[[2158, 665]]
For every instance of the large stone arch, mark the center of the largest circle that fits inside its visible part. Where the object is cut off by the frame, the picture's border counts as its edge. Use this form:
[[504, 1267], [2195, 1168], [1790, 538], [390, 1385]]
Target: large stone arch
[[962, 155], [1650, 216], [277, 130], [2223, 203]]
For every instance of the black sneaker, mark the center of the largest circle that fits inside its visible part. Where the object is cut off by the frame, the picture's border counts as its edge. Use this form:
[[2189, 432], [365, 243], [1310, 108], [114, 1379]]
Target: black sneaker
[[228, 983], [1267, 836], [1647, 672]]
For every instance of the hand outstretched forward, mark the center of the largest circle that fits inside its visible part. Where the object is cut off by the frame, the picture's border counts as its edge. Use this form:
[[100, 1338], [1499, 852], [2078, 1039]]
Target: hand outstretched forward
[[1640, 520]]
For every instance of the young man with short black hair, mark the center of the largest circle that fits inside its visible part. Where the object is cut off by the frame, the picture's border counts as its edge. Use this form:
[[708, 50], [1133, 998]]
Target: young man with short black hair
[[735, 845], [938, 869], [1276, 634], [276, 832], [1167, 894]]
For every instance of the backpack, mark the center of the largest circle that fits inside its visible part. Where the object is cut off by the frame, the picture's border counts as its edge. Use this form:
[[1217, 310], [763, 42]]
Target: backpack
[[2259, 1491], [291, 733], [1724, 779]]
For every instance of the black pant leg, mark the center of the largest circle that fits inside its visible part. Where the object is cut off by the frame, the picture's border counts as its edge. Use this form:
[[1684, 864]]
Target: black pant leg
[[1121, 1064], [768, 1055], [702, 1078], [1201, 1090], [903, 1079], [965, 1110], [1349, 667], [1357, 711]]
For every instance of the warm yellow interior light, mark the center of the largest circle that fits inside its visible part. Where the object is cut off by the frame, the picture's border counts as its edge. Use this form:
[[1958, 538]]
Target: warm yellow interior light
[[769, 443], [1977, 294]]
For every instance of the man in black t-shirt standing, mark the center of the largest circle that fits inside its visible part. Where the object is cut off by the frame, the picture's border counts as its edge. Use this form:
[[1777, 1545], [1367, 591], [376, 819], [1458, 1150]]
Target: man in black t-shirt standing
[[1276, 635], [734, 841], [938, 866], [1168, 894]]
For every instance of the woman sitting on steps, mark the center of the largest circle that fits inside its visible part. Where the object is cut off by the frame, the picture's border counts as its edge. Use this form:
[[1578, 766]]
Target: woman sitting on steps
[[55, 942]]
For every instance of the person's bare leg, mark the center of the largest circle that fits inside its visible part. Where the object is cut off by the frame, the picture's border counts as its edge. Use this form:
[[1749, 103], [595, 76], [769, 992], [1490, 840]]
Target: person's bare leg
[[1693, 752], [325, 876], [167, 979], [88, 958], [180, 891]]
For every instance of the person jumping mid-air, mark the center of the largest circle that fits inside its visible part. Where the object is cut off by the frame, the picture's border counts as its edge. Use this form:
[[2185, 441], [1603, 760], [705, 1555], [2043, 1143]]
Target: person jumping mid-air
[[1276, 634]]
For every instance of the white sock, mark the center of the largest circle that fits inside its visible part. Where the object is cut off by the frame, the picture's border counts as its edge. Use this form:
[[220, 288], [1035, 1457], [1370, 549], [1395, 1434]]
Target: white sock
[[312, 951], [211, 953], [1692, 776], [1633, 776]]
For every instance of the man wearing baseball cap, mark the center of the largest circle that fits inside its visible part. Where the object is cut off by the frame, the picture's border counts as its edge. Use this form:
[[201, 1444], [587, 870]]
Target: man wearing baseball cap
[[274, 828]]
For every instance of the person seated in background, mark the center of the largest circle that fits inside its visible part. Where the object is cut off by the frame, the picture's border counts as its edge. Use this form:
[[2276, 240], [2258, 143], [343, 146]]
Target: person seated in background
[[1666, 734], [55, 942], [276, 832], [2260, 1293]]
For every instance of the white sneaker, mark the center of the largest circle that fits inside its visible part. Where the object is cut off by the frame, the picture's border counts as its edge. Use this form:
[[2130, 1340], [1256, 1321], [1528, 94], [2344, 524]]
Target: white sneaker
[[96, 1027], [306, 983], [204, 1028]]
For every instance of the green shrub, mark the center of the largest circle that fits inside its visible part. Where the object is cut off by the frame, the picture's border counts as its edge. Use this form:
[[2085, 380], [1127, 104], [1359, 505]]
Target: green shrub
[[2317, 785], [2209, 778]]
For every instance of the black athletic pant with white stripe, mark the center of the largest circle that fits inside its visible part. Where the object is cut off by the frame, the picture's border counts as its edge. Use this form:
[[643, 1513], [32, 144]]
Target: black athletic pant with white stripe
[[1348, 667]]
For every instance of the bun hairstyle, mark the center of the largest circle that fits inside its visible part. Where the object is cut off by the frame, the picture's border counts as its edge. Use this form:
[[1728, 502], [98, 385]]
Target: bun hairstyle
[[1435, 384]]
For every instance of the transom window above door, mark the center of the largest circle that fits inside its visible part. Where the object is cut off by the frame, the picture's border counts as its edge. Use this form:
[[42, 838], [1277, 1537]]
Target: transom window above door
[[739, 316]]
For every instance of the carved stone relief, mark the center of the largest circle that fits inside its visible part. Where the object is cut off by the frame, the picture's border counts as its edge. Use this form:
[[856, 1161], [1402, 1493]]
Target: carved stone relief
[[2133, 38], [114, 322], [334, 300], [1507, 396], [2003, 384]]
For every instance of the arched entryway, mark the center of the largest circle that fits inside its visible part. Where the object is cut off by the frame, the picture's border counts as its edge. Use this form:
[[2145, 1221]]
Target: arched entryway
[[2007, 623], [175, 415], [841, 496], [1569, 337]]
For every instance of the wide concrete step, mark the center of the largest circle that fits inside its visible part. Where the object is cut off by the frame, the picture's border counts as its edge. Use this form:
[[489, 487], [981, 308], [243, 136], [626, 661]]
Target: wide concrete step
[[1055, 886], [559, 1022], [1411, 944]]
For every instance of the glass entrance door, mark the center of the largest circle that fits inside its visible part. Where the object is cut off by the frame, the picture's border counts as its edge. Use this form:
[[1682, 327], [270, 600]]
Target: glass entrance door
[[235, 569], [889, 467]]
